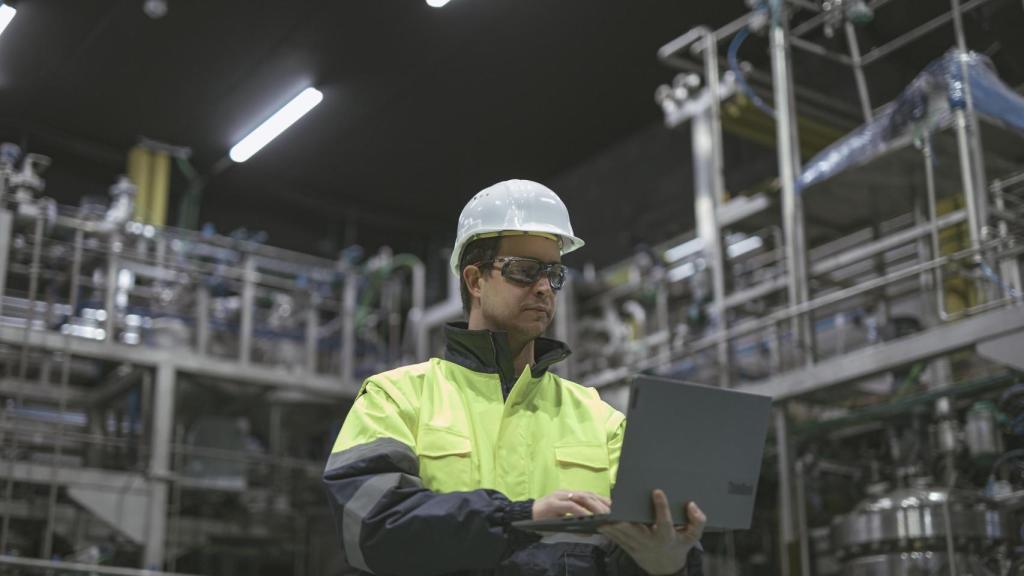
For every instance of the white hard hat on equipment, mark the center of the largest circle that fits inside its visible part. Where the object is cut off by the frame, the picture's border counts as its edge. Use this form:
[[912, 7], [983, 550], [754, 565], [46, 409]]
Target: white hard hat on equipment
[[514, 207]]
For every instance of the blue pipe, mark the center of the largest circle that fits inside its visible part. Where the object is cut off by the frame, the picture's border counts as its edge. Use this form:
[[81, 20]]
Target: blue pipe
[[741, 78]]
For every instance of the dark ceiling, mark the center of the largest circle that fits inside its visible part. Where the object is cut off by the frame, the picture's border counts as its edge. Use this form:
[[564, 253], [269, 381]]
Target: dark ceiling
[[422, 107]]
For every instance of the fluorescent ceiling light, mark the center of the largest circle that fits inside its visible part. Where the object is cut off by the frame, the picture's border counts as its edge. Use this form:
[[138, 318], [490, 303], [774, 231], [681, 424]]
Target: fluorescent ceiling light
[[437, 3], [276, 124], [6, 15], [683, 250]]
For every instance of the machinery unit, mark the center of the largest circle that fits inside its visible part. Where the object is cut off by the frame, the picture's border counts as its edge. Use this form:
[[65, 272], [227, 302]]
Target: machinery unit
[[889, 342], [169, 396]]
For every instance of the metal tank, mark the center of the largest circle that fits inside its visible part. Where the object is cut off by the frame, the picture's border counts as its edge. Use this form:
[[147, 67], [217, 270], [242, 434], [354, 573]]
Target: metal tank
[[911, 531]]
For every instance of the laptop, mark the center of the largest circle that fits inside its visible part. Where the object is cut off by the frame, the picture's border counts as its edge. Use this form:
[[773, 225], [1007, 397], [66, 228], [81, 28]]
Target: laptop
[[696, 443]]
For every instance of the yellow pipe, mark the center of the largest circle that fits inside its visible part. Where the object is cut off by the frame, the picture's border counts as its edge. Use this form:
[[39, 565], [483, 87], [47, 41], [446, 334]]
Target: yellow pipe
[[960, 293], [160, 183], [139, 161]]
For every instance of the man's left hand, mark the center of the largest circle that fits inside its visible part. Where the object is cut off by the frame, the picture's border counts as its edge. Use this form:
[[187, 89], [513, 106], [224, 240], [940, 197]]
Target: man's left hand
[[661, 548]]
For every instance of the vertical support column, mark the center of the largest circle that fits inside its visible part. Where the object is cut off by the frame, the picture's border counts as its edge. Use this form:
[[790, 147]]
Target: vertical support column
[[1009, 267], [419, 287], [279, 488], [972, 165], [161, 252], [110, 289], [146, 401], [705, 183], [30, 316], [159, 466], [774, 337], [662, 324], [975, 201], [789, 167], [803, 534], [248, 311], [858, 72], [276, 444], [969, 140], [883, 307], [6, 227], [923, 255], [710, 194], [312, 333], [94, 450], [348, 329], [415, 316], [8, 454], [8, 466], [65, 375], [202, 319], [940, 375], [785, 491], [391, 298], [714, 118], [929, 179], [967, 177], [174, 504]]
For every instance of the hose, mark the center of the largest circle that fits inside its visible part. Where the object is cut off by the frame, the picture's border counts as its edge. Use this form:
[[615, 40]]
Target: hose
[[1011, 455], [912, 378], [363, 309], [741, 78], [991, 276]]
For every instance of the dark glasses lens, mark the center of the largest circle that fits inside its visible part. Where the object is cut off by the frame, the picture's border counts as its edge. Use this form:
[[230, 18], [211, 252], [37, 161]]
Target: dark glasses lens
[[527, 272]]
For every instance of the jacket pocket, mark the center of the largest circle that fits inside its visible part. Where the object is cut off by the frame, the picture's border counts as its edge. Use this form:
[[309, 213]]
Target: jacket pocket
[[583, 466], [446, 460]]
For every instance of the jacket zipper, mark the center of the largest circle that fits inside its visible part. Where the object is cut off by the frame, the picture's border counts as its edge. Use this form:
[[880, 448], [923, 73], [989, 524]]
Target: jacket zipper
[[506, 390]]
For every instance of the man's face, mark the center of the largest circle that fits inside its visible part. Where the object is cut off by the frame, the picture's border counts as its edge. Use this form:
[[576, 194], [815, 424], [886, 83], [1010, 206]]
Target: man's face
[[522, 310]]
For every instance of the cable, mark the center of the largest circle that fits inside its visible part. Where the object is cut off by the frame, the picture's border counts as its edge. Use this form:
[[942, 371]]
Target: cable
[[1011, 455], [741, 79], [995, 279], [1017, 426], [911, 379]]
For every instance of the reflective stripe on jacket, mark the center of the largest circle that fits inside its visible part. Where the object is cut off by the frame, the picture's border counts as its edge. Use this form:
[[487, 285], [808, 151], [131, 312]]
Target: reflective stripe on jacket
[[435, 460]]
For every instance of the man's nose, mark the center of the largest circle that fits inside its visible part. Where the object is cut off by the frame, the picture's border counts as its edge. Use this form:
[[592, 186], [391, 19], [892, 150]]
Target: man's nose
[[543, 285]]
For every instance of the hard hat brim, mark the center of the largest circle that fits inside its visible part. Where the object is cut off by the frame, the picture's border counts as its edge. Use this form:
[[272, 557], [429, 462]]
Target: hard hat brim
[[568, 242]]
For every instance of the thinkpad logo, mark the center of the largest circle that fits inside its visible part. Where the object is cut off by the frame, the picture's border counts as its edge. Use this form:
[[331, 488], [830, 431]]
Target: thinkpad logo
[[740, 489]]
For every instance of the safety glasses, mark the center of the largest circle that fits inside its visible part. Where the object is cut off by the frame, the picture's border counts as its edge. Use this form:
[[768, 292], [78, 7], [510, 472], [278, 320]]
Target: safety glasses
[[527, 270]]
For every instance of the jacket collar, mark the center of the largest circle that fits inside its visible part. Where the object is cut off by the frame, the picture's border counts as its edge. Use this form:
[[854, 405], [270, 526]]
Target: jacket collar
[[488, 352]]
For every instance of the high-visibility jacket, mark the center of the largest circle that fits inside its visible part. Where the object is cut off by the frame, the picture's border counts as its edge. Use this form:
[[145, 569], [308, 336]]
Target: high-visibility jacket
[[436, 460]]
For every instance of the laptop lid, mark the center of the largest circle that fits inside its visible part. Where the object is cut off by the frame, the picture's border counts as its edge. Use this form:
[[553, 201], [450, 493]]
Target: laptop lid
[[697, 443]]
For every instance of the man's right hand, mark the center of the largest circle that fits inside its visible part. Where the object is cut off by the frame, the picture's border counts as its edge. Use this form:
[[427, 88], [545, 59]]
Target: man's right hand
[[563, 502]]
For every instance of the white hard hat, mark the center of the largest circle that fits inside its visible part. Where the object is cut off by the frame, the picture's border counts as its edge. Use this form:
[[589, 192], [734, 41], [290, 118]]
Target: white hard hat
[[510, 207]]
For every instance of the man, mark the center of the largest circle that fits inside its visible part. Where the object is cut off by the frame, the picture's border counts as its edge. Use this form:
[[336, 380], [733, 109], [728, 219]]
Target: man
[[435, 461]]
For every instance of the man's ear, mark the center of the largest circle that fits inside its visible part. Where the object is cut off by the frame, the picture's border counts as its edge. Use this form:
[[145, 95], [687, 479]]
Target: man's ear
[[472, 275]]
